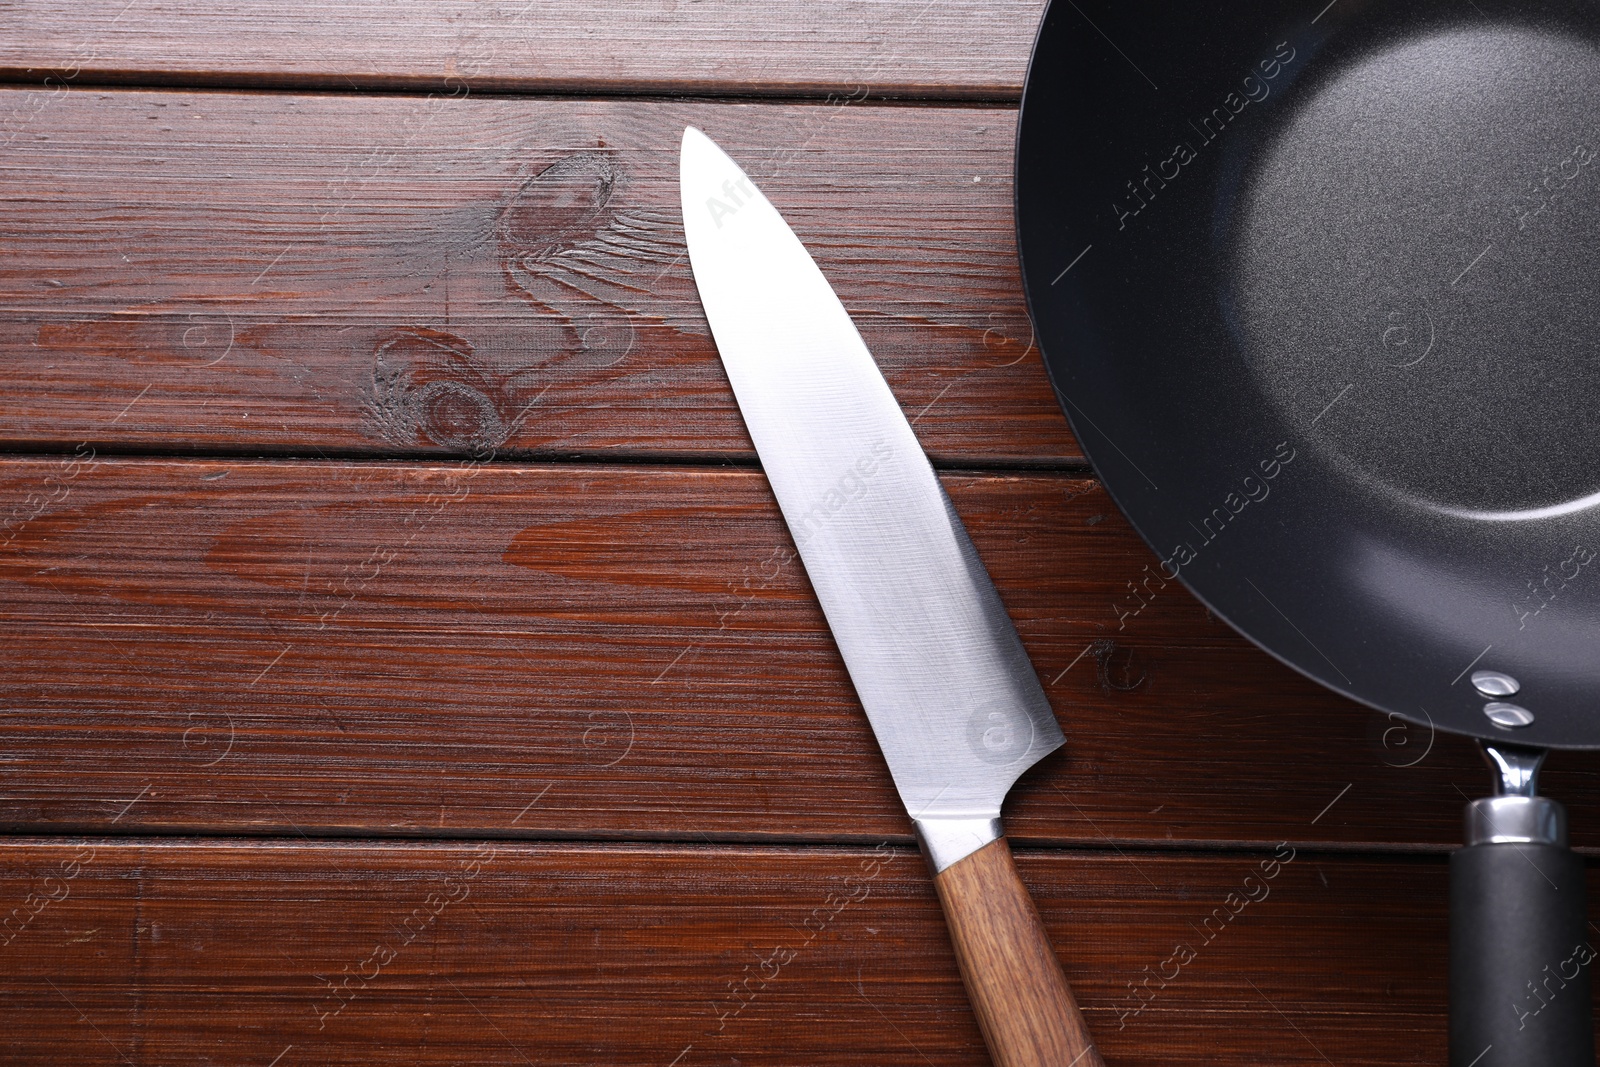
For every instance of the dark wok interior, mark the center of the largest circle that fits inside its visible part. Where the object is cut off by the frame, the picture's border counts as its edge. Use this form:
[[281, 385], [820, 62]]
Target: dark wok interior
[[1314, 286]]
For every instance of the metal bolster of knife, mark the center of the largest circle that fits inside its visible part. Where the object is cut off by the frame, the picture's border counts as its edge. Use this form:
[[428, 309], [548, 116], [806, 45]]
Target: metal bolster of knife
[[946, 842]]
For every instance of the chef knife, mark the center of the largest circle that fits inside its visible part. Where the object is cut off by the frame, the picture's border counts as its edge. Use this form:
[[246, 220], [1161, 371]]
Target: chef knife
[[949, 690]]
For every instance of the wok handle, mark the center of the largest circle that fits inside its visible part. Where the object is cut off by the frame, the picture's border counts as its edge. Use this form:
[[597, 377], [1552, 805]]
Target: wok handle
[[1015, 982], [1519, 941]]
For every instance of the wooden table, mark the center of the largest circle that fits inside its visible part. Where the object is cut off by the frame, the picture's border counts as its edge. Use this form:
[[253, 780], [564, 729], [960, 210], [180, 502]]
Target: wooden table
[[394, 664]]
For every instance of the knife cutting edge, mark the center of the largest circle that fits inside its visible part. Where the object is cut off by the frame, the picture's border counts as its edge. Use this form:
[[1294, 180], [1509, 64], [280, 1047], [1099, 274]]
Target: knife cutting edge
[[946, 684]]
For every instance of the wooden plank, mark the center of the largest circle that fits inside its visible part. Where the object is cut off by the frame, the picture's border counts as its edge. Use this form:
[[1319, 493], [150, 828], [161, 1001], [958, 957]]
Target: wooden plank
[[287, 647], [288, 273], [298, 953], [946, 48]]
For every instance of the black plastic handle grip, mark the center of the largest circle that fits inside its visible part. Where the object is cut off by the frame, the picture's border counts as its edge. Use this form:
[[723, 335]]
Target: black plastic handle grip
[[1520, 951]]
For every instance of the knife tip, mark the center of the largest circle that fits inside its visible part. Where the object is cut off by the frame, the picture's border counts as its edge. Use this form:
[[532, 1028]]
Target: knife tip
[[696, 152]]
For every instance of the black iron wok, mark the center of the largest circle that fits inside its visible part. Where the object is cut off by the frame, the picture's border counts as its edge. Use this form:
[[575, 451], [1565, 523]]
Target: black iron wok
[[1318, 285]]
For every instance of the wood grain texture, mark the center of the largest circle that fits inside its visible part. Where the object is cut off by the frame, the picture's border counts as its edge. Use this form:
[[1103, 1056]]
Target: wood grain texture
[[285, 647], [1019, 995], [437, 954], [944, 48], [206, 271], [515, 763]]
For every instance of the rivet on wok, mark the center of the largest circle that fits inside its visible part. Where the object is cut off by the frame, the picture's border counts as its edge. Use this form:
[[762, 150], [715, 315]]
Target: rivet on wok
[[1510, 716], [1495, 683]]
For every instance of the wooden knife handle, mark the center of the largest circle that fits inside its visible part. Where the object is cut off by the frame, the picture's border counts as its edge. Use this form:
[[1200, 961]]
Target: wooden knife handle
[[1013, 978]]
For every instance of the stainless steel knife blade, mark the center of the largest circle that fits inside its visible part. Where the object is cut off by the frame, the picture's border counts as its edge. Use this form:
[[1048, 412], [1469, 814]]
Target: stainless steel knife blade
[[946, 683], [937, 664]]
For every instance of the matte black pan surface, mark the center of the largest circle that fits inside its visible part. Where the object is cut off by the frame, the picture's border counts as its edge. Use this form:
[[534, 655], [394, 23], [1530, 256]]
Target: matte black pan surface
[[1318, 287]]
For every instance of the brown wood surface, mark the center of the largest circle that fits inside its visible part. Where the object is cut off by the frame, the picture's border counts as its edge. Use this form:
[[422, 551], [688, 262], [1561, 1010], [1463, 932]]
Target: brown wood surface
[[286, 647], [1019, 994], [389, 587], [945, 48], [346, 953], [225, 271]]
